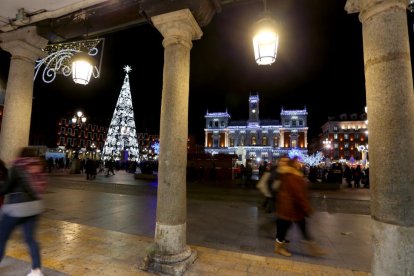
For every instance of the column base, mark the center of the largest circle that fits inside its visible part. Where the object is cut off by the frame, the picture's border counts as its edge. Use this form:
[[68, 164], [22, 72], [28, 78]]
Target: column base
[[169, 264]]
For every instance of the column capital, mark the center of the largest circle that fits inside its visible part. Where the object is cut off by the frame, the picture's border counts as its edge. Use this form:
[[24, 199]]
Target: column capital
[[24, 42], [178, 27], [368, 8]]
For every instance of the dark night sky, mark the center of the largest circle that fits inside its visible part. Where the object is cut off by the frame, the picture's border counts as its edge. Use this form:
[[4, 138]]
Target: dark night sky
[[319, 65]]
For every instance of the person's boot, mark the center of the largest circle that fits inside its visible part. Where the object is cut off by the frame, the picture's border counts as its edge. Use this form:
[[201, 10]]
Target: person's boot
[[280, 249], [314, 249]]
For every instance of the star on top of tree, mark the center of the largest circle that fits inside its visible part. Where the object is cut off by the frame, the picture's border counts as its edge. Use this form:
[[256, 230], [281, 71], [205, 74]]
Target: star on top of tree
[[127, 68]]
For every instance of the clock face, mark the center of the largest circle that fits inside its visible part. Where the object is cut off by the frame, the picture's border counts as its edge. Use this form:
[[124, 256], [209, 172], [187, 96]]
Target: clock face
[[253, 110]]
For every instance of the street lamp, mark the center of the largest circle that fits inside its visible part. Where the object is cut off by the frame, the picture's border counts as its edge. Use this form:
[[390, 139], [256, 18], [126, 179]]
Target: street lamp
[[265, 39], [82, 67], [327, 143], [327, 146], [78, 120], [81, 59]]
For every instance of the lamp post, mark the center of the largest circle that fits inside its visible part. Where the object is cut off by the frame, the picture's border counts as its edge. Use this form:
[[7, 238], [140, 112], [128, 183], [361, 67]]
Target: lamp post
[[78, 120], [327, 145]]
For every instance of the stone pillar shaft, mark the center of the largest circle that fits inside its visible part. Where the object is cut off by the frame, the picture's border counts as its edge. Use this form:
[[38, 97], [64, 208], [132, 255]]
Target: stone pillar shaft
[[282, 139], [24, 46], [390, 103], [206, 139], [172, 254]]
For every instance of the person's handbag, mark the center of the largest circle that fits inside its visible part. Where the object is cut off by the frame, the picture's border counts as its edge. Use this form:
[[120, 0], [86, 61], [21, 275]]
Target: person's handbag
[[23, 209], [275, 185], [262, 185]]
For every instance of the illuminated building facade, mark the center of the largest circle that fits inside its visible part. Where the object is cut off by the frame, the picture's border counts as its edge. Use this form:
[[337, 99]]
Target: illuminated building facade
[[255, 138], [87, 138], [348, 134]]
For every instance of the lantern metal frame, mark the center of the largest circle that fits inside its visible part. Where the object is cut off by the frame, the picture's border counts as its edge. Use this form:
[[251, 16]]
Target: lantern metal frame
[[60, 57], [265, 37]]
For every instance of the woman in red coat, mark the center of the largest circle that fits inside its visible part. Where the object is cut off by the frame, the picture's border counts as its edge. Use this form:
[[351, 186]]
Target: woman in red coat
[[292, 205]]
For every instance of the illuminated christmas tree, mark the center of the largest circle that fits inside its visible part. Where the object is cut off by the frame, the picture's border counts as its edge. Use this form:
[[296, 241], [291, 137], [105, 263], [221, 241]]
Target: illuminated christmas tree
[[121, 140]]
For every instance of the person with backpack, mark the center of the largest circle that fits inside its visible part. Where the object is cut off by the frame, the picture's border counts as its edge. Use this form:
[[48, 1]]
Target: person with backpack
[[23, 203]]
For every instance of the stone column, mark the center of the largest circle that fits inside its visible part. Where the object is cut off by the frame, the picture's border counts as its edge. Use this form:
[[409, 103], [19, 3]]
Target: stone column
[[24, 45], [206, 139], [282, 139], [306, 139], [172, 255], [390, 102]]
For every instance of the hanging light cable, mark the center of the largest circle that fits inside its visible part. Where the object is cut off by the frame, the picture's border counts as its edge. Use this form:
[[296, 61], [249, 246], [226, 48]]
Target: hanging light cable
[[266, 39]]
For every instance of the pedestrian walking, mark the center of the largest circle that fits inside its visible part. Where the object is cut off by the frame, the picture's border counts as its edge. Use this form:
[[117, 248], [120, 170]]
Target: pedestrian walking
[[292, 205], [23, 203]]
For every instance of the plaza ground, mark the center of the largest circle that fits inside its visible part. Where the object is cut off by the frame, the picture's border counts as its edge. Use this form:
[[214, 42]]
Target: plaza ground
[[106, 227]]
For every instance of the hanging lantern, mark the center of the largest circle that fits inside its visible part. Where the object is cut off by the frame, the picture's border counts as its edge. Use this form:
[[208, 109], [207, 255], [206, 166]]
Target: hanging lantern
[[265, 41], [82, 66]]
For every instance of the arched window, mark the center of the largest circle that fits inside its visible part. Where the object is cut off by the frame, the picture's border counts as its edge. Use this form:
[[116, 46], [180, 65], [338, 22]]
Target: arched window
[[253, 140], [264, 141], [276, 141]]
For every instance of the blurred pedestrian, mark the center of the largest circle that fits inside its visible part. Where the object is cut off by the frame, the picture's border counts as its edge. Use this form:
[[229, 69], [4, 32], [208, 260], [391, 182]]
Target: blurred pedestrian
[[248, 173], [292, 205], [23, 203]]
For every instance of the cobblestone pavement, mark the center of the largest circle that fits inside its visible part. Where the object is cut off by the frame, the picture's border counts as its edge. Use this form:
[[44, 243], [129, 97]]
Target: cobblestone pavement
[[106, 226]]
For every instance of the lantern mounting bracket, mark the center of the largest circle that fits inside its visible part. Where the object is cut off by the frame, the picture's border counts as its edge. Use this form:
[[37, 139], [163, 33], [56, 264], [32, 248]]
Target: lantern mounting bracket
[[59, 57]]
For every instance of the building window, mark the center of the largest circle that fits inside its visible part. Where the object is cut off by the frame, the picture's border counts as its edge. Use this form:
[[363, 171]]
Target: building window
[[294, 123], [216, 123], [70, 142], [215, 143], [242, 140], [356, 135], [231, 142], [275, 141], [62, 131], [346, 136], [62, 141], [300, 122], [222, 123], [335, 128], [264, 141], [253, 140], [286, 122], [346, 145], [294, 143], [336, 136], [210, 124]]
